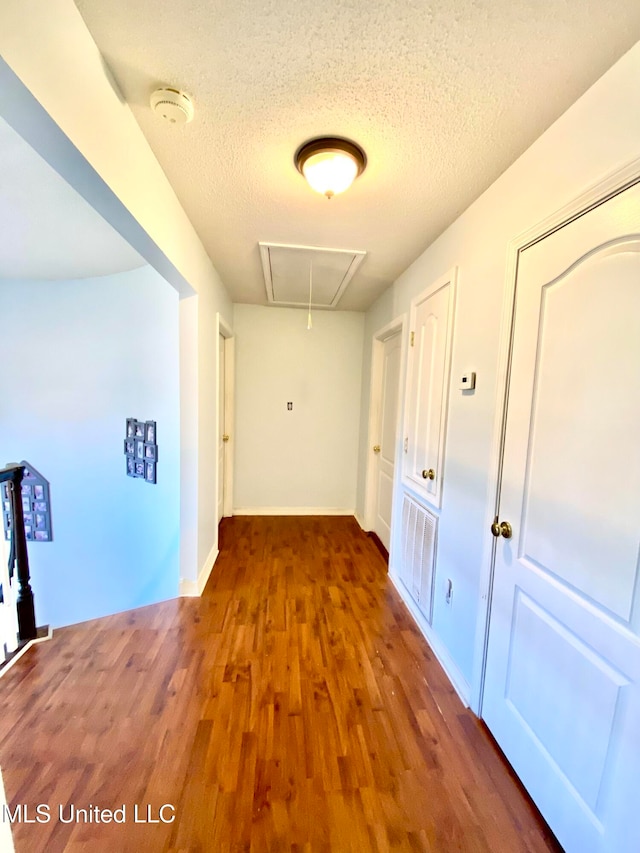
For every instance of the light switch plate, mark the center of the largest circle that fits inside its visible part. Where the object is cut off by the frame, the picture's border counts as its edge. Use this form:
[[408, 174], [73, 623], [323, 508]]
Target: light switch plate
[[467, 382]]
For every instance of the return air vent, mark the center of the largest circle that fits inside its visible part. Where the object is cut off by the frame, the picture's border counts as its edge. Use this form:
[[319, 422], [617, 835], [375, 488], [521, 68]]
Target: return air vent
[[419, 532], [286, 274]]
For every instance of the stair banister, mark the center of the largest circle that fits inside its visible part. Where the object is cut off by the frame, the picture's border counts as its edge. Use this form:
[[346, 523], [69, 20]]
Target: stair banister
[[13, 475]]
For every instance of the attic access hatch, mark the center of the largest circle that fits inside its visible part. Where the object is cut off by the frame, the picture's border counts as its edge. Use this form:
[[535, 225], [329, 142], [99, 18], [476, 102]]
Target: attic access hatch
[[286, 274]]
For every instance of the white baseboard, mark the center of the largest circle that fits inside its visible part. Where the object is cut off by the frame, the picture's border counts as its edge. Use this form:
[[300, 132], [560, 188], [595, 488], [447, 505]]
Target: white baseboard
[[457, 679], [360, 521], [19, 654], [292, 510], [194, 589]]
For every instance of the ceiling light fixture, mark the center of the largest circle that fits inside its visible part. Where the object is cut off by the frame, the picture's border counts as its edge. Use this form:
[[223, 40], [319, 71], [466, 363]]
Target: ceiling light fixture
[[330, 164]]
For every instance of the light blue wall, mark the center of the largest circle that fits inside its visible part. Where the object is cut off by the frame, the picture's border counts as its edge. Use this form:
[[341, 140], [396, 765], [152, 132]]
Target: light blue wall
[[84, 356]]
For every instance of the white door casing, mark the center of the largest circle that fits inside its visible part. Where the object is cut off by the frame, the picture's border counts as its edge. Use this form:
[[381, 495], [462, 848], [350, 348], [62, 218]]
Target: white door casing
[[225, 418], [386, 437], [562, 680], [222, 440], [429, 364]]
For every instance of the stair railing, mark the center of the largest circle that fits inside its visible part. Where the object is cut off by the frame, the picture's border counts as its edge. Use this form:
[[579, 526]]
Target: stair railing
[[18, 554]]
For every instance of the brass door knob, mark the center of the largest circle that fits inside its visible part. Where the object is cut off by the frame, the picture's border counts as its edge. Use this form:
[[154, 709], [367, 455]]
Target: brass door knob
[[429, 474], [502, 529], [225, 437], [376, 448]]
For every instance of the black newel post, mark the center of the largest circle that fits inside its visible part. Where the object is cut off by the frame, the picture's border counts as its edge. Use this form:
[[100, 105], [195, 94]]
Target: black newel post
[[24, 602]]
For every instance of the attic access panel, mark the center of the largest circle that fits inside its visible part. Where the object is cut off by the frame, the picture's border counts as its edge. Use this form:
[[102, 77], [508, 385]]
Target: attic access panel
[[286, 274]]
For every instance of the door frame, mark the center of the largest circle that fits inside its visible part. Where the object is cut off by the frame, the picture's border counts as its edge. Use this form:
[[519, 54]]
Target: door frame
[[398, 325], [598, 193], [224, 329]]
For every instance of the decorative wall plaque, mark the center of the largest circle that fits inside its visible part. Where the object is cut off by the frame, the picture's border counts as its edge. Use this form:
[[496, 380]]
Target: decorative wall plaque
[[36, 506], [141, 449]]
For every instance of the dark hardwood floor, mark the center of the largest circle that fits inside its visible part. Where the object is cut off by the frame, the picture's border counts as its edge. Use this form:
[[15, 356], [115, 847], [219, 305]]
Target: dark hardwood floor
[[294, 707]]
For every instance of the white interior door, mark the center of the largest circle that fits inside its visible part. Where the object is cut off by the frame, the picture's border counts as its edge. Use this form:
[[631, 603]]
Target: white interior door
[[562, 686], [428, 386], [221, 427], [386, 433]]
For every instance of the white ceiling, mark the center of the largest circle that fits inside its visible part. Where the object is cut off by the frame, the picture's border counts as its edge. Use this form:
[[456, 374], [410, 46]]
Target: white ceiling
[[442, 95], [48, 230]]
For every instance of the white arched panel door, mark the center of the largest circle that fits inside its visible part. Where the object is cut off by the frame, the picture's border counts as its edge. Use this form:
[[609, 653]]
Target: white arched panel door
[[562, 684]]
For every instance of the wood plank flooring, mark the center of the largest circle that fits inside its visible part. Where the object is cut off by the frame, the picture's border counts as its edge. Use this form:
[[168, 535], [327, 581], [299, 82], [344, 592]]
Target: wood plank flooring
[[294, 707]]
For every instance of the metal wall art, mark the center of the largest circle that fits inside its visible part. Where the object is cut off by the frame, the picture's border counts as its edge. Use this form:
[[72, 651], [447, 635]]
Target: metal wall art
[[141, 449], [36, 506]]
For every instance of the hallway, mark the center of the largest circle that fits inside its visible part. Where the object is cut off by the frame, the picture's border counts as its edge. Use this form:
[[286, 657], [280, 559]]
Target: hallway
[[294, 707]]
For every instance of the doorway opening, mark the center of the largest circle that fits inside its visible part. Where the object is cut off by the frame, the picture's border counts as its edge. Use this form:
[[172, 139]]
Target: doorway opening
[[224, 420], [383, 450]]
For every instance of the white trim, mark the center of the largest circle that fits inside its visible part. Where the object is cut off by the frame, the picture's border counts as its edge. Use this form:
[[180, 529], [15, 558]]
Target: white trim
[[188, 589], [229, 422], [457, 679], [194, 589], [28, 645], [292, 510], [223, 328], [596, 194], [396, 326], [360, 521]]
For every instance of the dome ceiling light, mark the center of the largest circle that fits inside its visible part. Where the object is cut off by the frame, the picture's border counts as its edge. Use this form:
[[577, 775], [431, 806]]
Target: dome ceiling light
[[330, 164]]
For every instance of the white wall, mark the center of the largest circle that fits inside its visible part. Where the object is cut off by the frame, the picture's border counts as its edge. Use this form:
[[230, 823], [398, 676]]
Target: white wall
[[84, 356], [90, 137], [598, 135], [189, 432], [305, 459]]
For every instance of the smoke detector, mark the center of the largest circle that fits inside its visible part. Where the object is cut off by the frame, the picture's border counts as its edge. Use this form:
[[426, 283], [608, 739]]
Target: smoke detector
[[172, 105]]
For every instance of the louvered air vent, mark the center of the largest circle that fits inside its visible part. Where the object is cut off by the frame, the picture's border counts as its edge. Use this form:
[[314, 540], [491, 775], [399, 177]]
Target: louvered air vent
[[419, 531]]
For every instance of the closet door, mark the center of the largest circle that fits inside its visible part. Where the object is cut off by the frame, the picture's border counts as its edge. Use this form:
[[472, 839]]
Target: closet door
[[428, 388], [562, 681]]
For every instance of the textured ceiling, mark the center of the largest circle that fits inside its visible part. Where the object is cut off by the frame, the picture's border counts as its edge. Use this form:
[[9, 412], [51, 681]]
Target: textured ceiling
[[442, 95], [48, 230]]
